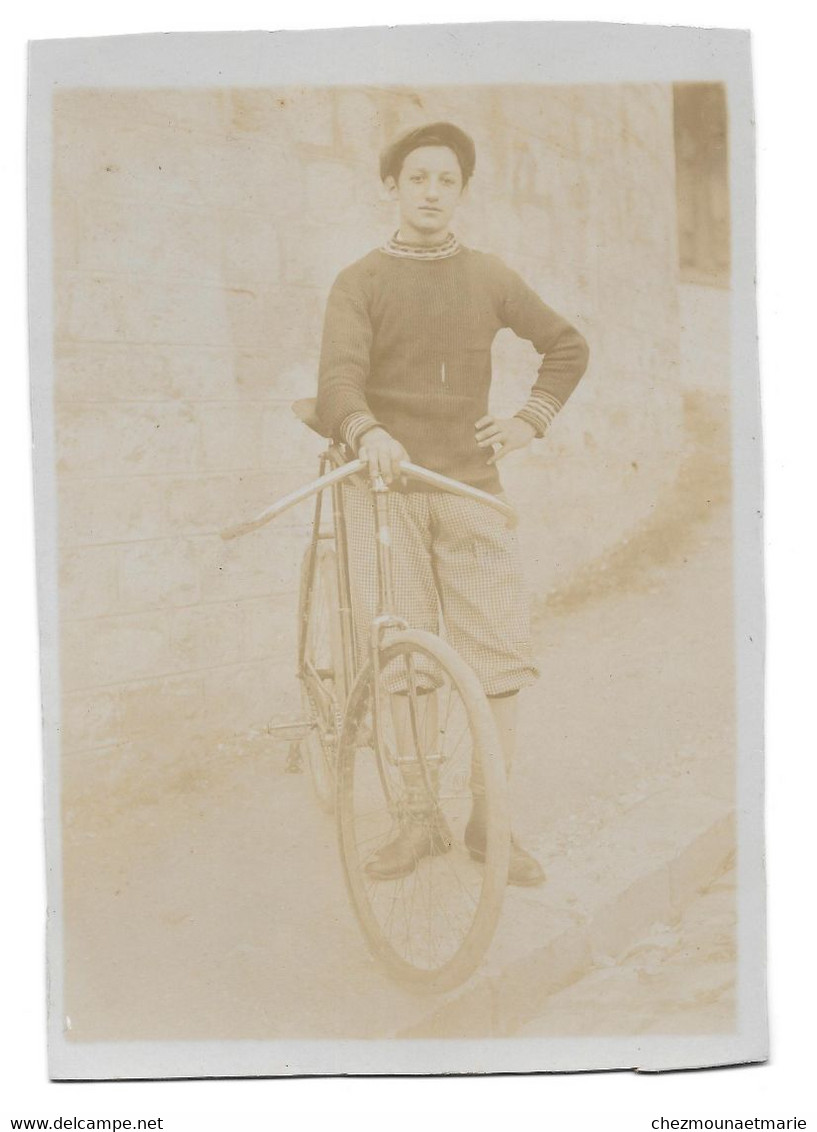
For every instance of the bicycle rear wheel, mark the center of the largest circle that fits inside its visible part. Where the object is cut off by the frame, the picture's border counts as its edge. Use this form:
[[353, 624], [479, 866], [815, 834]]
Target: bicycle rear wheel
[[415, 761], [321, 675]]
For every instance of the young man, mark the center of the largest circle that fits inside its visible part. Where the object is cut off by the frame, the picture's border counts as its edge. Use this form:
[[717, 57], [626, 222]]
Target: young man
[[405, 374]]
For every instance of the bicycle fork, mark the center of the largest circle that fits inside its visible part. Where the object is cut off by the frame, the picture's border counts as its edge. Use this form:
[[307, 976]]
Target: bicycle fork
[[418, 776]]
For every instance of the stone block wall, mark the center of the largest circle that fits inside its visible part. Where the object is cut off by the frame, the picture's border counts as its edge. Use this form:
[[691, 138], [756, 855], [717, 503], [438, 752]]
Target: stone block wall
[[196, 235]]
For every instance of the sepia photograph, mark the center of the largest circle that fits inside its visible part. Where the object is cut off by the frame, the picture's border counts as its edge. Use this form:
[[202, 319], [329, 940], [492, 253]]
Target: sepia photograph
[[398, 516]]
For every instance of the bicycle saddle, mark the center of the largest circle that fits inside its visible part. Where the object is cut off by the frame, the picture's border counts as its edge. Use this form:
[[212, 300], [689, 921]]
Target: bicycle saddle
[[305, 410]]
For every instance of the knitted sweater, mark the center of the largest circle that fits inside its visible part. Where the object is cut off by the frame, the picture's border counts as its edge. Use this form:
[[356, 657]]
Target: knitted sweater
[[407, 345]]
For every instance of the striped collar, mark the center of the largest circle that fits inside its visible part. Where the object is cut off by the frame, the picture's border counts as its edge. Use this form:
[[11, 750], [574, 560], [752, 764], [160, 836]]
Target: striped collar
[[449, 247]]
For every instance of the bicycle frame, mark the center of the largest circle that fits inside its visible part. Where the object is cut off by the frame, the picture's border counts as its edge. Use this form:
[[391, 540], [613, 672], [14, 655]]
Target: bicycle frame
[[385, 617]]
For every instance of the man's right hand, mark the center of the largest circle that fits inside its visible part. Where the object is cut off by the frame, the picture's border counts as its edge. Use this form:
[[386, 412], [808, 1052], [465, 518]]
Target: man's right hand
[[382, 453]]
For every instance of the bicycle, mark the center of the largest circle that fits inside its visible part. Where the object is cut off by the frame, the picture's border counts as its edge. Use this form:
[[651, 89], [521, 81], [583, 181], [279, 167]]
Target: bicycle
[[397, 731]]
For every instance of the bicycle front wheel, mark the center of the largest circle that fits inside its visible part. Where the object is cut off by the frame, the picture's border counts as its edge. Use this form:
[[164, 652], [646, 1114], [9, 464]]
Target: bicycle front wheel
[[418, 744]]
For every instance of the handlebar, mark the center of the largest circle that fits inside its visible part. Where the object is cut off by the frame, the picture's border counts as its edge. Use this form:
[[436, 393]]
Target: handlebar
[[414, 471]]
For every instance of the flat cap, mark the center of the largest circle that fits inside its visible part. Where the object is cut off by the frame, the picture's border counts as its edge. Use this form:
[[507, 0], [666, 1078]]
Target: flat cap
[[435, 133]]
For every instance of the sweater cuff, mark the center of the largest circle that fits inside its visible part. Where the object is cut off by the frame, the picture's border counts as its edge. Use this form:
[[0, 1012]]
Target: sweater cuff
[[354, 427], [539, 411]]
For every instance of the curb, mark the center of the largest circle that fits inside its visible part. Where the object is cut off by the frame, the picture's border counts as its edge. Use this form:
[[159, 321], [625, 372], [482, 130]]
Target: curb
[[600, 900]]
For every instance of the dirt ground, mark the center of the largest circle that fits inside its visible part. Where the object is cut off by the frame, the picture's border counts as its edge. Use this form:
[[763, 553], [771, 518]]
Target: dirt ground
[[679, 979]]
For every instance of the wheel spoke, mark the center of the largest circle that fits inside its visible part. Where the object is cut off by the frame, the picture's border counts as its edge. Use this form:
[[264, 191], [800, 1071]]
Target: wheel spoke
[[433, 923]]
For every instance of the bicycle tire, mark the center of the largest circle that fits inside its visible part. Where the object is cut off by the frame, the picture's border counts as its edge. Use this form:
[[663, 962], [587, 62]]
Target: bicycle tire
[[424, 964], [320, 641]]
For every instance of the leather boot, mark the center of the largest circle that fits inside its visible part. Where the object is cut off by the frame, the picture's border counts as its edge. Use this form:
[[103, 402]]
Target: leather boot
[[418, 837], [523, 869]]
